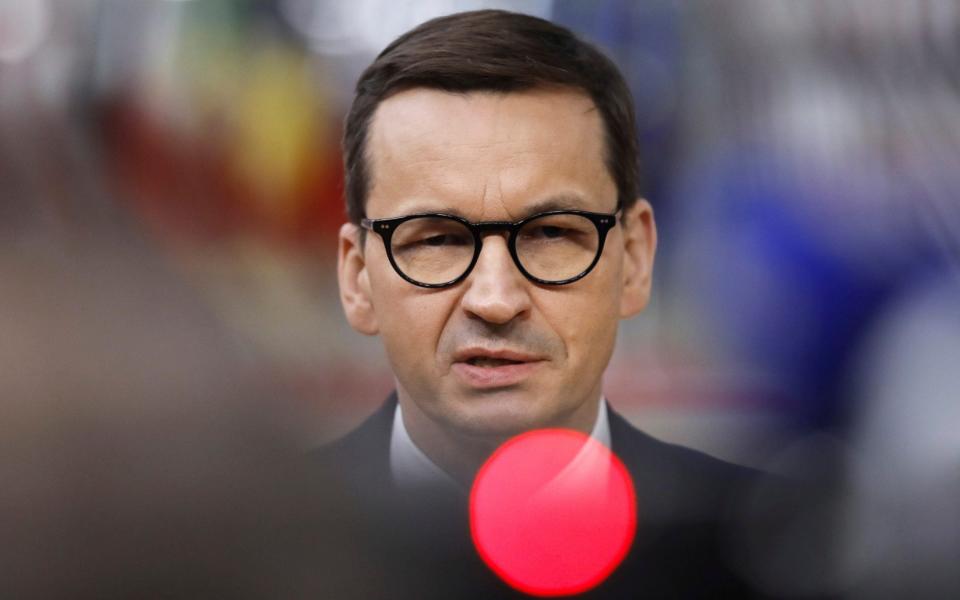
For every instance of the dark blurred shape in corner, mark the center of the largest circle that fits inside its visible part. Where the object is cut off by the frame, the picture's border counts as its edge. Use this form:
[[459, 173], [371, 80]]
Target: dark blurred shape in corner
[[140, 456]]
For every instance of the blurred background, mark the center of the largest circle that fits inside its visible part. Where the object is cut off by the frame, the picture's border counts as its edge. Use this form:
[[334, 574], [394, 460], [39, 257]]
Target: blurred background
[[170, 193]]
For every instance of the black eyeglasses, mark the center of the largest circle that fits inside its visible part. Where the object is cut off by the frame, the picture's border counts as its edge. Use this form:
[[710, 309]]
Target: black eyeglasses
[[437, 250]]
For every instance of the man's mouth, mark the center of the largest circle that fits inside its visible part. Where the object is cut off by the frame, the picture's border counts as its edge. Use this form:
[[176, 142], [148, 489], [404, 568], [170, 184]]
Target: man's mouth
[[489, 361], [491, 358], [488, 369]]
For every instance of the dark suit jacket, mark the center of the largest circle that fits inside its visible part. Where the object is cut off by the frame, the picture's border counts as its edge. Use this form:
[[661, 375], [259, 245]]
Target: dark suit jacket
[[417, 545]]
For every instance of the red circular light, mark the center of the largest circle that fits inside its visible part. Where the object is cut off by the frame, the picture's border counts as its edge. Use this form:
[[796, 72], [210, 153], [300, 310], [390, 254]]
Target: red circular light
[[553, 512]]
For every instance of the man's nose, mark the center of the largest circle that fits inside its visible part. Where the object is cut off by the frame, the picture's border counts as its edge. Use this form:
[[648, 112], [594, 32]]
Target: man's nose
[[496, 289]]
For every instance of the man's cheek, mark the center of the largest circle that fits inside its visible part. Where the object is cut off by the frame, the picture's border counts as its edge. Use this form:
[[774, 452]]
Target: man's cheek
[[412, 353], [589, 340]]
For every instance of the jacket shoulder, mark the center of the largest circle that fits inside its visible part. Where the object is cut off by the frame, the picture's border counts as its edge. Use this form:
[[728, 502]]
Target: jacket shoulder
[[363, 452], [679, 481]]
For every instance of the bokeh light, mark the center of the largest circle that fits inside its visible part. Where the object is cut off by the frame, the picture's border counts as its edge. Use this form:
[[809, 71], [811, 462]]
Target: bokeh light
[[553, 512]]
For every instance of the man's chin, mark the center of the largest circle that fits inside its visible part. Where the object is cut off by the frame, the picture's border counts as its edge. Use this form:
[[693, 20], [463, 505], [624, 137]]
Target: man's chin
[[495, 414]]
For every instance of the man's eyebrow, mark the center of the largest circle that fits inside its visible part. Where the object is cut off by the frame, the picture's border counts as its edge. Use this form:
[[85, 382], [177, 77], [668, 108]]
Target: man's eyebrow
[[427, 209], [560, 202], [434, 210]]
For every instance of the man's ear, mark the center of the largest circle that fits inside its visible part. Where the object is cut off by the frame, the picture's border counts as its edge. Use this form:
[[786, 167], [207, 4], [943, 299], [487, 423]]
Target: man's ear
[[640, 245], [354, 282]]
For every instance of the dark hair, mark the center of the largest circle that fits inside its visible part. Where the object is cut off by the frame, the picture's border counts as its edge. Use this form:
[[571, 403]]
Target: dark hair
[[492, 50]]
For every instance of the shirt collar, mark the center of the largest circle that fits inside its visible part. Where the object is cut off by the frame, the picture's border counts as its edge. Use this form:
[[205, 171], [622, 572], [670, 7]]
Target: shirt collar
[[412, 468]]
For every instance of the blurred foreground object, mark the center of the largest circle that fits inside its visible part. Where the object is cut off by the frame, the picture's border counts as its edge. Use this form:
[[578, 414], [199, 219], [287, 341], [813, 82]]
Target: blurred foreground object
[[903, 527], [139, 457]]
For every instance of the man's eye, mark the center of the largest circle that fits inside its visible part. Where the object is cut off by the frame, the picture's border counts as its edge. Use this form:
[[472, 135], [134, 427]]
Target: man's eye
[[549, 232], [553, 232], [436, 240], [442, 239]]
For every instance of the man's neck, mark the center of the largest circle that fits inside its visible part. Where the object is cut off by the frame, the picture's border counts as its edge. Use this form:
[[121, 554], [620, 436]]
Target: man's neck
[[460, 455]]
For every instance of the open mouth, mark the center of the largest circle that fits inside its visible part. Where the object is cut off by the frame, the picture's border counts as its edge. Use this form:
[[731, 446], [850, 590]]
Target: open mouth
[[493, 369], [489, 361]]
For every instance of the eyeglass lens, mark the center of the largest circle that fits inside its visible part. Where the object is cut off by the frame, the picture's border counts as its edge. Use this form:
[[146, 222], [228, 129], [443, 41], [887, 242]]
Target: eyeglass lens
[[436, 250]]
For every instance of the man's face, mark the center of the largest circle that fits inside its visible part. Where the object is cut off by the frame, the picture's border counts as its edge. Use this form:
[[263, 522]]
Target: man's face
[[492, 157]]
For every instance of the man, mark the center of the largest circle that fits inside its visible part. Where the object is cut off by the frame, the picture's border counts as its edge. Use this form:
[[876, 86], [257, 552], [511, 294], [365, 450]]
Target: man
[[496, 239]]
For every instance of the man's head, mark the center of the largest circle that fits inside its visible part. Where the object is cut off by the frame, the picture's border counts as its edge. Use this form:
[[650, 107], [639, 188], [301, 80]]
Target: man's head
[[493, 116], [492, 50]]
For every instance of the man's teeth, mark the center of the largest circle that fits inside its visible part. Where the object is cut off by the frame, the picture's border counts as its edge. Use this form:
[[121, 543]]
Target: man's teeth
[[486, 361]]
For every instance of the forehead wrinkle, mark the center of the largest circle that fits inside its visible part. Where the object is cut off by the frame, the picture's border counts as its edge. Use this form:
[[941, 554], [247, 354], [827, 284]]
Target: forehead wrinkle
[[497, 196]]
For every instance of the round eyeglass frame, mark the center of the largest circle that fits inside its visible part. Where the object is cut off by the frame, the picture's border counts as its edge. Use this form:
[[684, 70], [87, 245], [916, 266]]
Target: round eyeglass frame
[[604, 222]]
